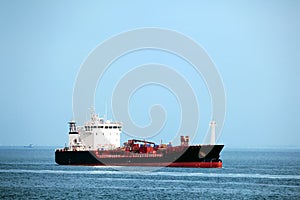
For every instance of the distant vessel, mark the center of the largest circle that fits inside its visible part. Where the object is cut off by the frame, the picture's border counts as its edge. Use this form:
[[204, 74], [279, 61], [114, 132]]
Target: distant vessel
[[98, 143], [29, 146]]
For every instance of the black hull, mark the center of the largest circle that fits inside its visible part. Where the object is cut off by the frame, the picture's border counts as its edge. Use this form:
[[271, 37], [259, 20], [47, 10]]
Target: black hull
[[192, 156]]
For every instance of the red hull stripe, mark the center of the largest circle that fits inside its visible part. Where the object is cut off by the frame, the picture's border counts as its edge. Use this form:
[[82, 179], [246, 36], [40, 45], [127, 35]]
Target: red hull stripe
[[177, 164]]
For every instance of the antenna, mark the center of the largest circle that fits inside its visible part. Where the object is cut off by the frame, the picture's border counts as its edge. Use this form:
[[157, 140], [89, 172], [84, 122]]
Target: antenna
[[106, 116]]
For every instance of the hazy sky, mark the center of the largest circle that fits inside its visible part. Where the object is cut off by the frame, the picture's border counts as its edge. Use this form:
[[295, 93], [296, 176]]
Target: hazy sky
[[255, 46]]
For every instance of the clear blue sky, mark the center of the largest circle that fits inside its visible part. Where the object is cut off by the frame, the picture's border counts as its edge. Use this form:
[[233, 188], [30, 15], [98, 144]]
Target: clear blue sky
[[254, 44]]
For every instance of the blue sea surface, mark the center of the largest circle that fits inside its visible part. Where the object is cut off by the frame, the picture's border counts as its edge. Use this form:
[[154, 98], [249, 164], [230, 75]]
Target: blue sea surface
[[31, 173]]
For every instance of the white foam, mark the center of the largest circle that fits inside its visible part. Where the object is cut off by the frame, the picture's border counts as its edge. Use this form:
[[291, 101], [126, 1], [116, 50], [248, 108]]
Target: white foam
[[175, 174]]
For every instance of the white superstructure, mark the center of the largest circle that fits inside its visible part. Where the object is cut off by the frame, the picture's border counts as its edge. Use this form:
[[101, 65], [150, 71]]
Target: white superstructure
[[95, 134]]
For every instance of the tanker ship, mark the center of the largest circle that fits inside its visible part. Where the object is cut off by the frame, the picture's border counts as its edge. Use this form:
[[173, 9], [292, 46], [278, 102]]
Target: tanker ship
[[98, 143]]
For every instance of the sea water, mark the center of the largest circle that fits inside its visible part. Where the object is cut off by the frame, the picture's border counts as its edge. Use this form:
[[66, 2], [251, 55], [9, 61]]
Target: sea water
[[31, 173]]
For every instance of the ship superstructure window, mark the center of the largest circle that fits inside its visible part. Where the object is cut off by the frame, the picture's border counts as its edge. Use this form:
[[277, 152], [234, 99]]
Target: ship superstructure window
[[95, 127], [115, 127], [106, 126], [101, 126], [110, 127]]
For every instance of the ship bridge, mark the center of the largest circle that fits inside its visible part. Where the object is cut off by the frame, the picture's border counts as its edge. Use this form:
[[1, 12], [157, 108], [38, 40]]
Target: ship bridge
[[97, 133]]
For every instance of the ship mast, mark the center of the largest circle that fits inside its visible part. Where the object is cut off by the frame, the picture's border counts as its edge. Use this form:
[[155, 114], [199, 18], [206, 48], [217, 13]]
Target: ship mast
[[213, 132]]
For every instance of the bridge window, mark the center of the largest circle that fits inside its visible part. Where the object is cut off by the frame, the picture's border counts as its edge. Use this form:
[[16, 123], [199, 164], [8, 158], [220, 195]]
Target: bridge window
[[110, 127], [115, 127]]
